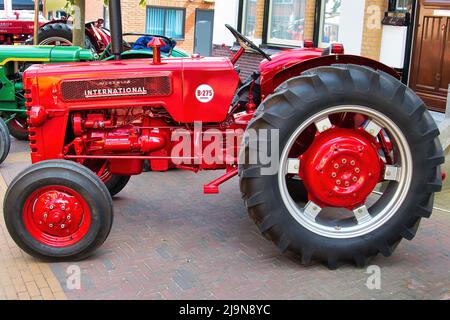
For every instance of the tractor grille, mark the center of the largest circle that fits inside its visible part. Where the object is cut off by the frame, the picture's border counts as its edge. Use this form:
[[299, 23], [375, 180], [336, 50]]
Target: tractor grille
[[115, 88]]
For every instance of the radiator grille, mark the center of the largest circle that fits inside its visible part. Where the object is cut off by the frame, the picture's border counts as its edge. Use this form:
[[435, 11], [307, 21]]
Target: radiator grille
[[112, 88]]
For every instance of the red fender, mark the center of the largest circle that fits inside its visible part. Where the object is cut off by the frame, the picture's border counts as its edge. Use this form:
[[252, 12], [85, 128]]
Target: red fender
[[271, 78]]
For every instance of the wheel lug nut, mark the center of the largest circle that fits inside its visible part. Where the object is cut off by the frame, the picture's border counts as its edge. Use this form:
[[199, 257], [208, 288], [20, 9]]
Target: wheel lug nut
[[51, 225], [45, 216], [357, 170], [352, 162], [355, 179], [344, 161], [63, 226], [347, 183], [338, 182], [336, 166], [51, 207], [63, 208], [334, 175], [68, 217]]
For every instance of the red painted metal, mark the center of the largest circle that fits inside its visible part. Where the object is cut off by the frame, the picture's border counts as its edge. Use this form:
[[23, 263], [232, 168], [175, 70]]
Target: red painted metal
[[337, 48], [292, 63], [156, 44], [341, 168], [308, 44], [213, 187], [125, 112], [56, 216]]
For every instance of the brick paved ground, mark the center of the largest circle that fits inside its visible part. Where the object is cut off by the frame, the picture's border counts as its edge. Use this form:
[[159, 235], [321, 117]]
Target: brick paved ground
[[171, 241]]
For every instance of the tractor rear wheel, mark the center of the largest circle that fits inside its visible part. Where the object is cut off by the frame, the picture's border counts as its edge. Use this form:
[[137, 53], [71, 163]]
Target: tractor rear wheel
[[367, 152], [5, 141], [59, 34], [58, 210], [18, 128]]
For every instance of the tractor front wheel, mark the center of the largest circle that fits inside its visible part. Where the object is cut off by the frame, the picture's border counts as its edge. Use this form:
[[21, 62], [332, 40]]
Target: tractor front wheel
[[367, 152], [58, 210]]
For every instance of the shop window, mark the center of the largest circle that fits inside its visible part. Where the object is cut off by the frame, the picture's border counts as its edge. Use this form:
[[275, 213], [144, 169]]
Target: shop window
[[167, 22], [249, 18], [286, 22], [329, 23]]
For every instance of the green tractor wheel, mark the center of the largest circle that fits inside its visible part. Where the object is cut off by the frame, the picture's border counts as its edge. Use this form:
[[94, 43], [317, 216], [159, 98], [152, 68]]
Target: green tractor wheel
[[18, 128], [5, 141]]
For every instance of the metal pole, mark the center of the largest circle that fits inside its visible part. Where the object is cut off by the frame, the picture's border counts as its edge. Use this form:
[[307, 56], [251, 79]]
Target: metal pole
[[36, 22], [8, 8], [115, 22], [447, 109]]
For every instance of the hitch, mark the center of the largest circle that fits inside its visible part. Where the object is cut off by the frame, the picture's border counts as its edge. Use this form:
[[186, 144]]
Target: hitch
[[213, 186]]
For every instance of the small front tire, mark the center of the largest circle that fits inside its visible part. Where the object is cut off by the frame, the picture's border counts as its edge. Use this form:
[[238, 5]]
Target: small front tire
[[58, 210]]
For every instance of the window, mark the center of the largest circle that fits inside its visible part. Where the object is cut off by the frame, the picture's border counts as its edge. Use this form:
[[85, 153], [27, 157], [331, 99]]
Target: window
[[248, 18], [21, 5], [329, 24], [404, 5], [106, 17], [167, 22], [286, 22]]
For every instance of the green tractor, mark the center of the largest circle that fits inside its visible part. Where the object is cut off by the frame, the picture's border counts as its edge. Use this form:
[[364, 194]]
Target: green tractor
[[14, 60]]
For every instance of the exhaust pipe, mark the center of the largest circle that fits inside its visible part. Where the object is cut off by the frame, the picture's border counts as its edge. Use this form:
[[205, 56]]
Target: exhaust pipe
[[115, 22]]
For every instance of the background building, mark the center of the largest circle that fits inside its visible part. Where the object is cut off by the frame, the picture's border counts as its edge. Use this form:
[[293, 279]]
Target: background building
[[412, 36]]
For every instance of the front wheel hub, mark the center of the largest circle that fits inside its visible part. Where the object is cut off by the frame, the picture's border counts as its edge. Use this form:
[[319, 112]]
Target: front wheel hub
[[341, 168], [57, 216]]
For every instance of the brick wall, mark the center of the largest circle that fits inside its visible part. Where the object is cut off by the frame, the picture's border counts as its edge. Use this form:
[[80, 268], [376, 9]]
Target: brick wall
[[248, 63], [94, 10], [134, 17], [259, 20], [372, 32], [310, 12]]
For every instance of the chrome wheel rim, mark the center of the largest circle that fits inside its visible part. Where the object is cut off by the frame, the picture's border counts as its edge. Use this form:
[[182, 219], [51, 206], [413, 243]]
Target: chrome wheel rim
[[57, 41], [373, 217]]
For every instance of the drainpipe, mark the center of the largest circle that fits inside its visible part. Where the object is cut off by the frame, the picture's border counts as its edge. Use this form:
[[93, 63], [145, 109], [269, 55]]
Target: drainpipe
[[36, 22], [115, 21], [8, 8]]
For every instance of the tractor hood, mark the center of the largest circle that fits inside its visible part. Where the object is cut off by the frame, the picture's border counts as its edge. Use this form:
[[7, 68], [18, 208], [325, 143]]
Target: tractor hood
[[191, 89]]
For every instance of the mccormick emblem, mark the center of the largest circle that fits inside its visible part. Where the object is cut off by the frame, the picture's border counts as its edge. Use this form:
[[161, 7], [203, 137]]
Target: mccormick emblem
[[109, 88]]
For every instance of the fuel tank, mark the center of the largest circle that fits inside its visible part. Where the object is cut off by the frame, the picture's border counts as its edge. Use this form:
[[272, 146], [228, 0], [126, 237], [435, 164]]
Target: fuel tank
[[44, 54], [190, 89]]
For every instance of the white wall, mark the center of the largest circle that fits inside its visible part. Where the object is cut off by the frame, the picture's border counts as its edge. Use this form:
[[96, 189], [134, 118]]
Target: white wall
[[351, 25], [225, 12]]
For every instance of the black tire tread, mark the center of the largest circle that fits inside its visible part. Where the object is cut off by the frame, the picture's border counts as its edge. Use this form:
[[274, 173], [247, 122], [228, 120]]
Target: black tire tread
[[5, 141], [292, 96]]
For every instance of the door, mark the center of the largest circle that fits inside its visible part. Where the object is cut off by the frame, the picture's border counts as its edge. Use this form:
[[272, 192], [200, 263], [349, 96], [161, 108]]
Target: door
[[430, 76], [204, 24]]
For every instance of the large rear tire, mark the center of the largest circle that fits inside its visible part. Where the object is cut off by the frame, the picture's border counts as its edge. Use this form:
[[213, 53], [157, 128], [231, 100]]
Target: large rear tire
[[5, 141], [59, 34], [58, 210], [348, 105]]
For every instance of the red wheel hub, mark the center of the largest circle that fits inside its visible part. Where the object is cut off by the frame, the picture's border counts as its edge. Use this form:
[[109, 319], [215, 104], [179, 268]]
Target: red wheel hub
[[57, 216], [341, 168]]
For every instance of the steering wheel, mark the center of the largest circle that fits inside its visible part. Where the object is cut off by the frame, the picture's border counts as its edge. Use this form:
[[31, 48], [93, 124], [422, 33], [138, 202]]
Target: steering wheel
[[247, 43]]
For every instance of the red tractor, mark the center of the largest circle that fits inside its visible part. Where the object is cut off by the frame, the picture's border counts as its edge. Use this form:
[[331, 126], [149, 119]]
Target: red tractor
[[337, 159]]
